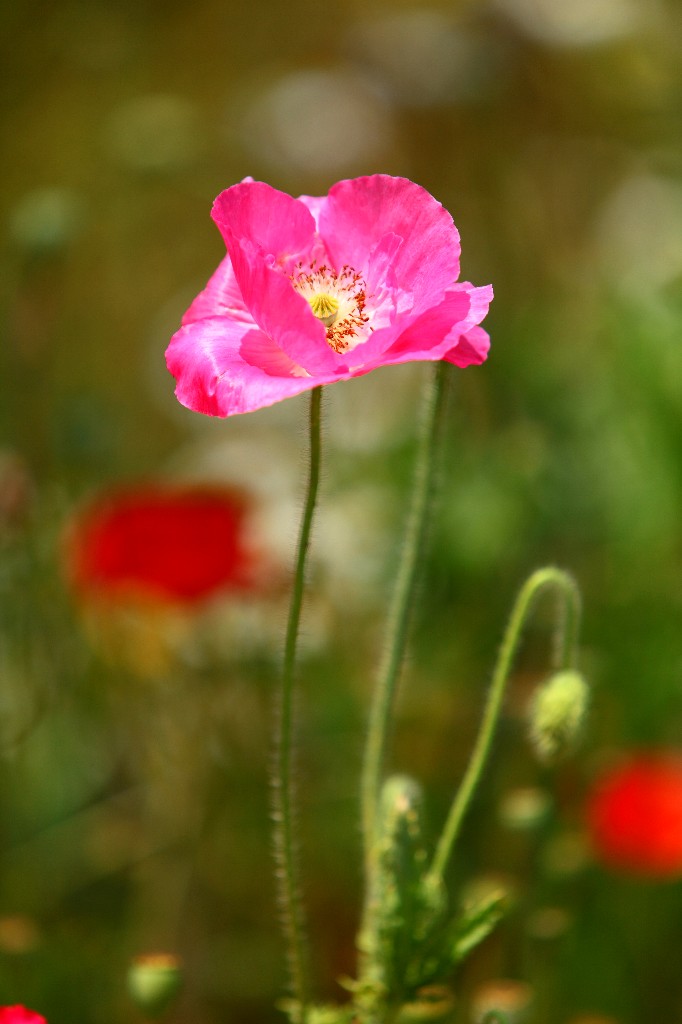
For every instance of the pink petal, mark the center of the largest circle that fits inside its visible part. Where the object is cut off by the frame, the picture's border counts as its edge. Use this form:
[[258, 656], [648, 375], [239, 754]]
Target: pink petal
[[359, 213], [443, 331], [211, 361], [480, 299], [258, 350], [391, 307], [471, 348], [220, 297], [314, 204], [275, 223], [280, 311], [266, 233]]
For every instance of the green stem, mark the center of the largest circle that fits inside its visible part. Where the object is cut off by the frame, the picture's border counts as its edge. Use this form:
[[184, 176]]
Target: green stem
[[399, 613], [293, 917], [565, 650]]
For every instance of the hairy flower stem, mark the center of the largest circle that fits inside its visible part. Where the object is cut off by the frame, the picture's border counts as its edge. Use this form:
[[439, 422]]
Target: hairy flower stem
[[293, 916], [564, 657], [399, 616]]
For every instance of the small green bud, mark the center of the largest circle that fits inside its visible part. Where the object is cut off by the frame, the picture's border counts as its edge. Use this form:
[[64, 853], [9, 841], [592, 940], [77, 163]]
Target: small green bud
[[557, 712], [154, 980]]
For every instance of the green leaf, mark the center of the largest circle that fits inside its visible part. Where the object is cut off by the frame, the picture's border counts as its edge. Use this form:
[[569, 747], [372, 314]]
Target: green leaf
[[476, 922]]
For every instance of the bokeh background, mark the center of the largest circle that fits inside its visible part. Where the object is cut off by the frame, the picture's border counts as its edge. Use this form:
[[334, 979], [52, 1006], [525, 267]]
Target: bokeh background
[[135, 734]]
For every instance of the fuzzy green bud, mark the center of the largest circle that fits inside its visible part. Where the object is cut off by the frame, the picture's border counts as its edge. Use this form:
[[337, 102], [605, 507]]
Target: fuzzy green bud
[[557, 713], [154, 981]]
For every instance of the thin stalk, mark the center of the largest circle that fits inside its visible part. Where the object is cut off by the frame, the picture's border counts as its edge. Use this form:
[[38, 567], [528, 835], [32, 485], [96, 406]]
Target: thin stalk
[[564, 656], [283, 798], [399, 612]]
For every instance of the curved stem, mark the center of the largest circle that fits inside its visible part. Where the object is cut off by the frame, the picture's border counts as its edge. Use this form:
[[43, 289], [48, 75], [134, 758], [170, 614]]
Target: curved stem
[[293, 917], [566, 642], [399, 612]]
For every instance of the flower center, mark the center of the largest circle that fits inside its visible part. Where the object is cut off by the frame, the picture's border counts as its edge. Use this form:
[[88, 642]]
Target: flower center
[[325, 307], [338, 300]]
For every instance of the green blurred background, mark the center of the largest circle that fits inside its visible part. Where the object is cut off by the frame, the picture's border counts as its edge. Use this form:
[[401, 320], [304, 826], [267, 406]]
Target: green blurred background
[[135, 748]]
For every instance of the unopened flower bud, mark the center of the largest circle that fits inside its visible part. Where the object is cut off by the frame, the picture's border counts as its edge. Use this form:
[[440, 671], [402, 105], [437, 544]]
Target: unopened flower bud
[[154, 980], [557, 712]]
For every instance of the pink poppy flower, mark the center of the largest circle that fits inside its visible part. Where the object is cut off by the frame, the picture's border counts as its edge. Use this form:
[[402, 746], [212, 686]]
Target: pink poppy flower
[[179, 545], [319, 289], [19, 1015], [635, 815]]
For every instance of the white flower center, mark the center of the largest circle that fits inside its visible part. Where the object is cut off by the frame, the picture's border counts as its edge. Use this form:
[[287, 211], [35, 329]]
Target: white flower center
[[338, 300]]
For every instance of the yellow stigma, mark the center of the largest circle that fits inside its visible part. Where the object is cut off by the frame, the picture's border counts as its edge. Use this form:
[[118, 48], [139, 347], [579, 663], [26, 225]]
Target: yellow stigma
[[325, 307]]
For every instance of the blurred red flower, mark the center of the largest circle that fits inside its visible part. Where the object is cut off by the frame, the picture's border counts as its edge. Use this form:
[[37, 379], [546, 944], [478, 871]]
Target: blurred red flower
[[19, 1015], [176, 545], [635, 815]]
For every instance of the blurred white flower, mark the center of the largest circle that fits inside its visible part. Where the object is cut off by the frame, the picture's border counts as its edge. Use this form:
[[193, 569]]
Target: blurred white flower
[[350, 541], [639, 234], [524, 808], [320, 122], [47, 219], [420, 58], [574, 22]]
